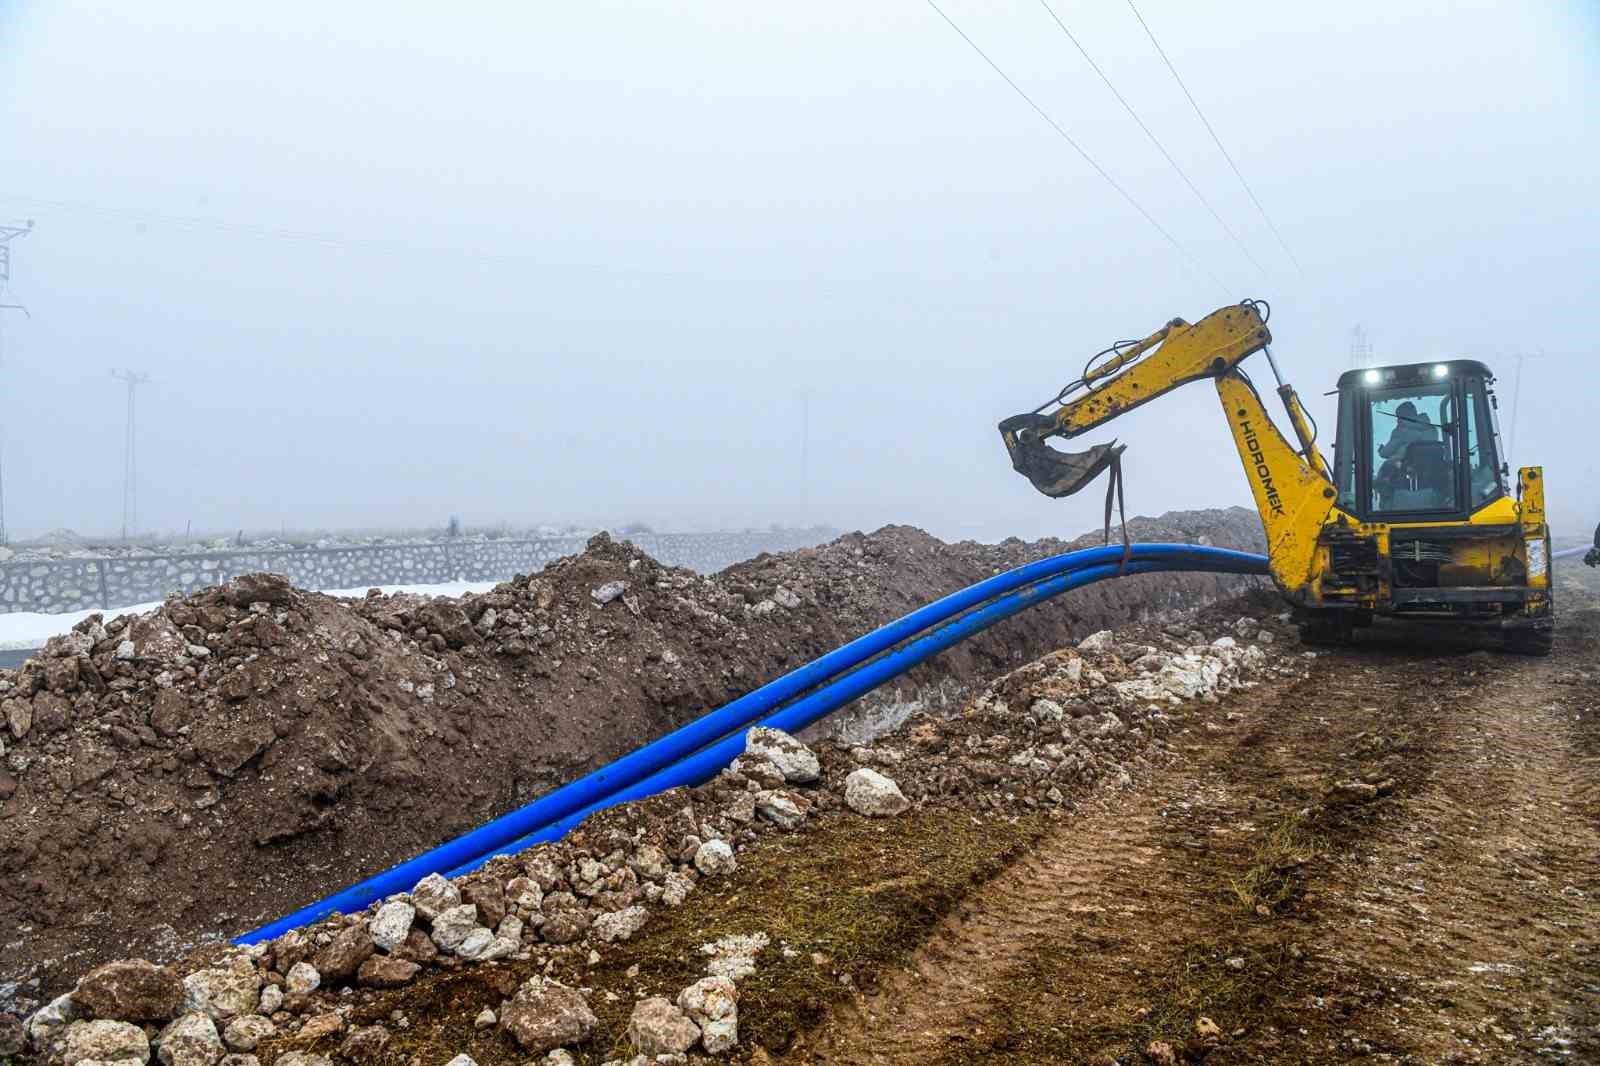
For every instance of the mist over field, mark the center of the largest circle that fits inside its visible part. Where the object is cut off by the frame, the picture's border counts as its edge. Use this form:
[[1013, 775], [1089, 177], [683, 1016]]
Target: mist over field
[[730, 265]]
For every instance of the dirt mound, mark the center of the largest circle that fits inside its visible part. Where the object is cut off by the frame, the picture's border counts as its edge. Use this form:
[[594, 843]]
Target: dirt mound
[[408, 976], [250, 748]]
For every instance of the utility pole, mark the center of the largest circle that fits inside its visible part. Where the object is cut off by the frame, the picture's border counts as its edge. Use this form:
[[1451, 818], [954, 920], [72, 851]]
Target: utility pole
[[7, 235], [1360, 348], [805, 449], [130, 480], [1516, 405]]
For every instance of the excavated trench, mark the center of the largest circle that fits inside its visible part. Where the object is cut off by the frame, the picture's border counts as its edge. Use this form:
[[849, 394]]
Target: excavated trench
[[187, 774]]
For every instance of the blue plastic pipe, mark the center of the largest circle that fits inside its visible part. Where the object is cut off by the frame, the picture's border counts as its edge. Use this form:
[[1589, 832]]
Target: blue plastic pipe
[[576, 800], [706, 764]]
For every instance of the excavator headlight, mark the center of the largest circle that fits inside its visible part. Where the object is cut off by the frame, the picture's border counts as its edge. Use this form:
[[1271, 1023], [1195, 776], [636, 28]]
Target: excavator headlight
[[1440, 370], [1372, 377]]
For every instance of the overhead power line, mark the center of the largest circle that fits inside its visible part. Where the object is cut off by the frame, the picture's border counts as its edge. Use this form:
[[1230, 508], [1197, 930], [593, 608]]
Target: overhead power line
[[1207, 123], [1198, 195], [1087, 158]]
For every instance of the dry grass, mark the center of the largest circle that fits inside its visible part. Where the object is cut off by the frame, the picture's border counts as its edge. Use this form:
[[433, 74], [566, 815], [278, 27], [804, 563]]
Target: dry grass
[[1273, 876]]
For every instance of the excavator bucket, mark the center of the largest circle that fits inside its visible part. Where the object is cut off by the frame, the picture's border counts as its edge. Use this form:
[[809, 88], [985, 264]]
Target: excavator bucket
[[1054, 473]]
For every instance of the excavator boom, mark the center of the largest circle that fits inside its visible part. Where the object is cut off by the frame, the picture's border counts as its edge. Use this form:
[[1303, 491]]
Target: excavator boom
[[1292, 487], [1132, 373]]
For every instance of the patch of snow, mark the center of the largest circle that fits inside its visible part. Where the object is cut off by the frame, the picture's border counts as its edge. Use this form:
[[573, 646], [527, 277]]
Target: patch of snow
[[22, 630]]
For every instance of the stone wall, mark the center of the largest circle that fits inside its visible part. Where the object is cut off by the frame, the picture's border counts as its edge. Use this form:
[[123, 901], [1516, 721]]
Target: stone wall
[[107, 583]]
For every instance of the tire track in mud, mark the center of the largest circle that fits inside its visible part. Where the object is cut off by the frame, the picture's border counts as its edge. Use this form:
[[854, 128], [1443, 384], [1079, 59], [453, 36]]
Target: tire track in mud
[[1391, 858]]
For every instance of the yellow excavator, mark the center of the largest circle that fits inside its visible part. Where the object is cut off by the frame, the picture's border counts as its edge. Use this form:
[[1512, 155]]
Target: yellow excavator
[[1414, 519]]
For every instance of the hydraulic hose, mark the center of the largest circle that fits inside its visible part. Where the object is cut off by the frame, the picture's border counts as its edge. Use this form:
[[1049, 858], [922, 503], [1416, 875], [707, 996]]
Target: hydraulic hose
[[705, 764], [578, 798]]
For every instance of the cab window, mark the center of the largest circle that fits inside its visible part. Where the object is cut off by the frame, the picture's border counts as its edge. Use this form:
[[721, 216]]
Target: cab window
[[1345, 450], [1413, 449], [1482, 461]]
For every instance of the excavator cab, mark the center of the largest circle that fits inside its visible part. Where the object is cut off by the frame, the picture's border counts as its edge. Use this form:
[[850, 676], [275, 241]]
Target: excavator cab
[[1418, 442]]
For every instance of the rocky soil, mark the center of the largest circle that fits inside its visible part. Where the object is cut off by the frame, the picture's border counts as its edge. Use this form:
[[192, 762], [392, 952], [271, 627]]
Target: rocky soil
[[566, 952], [1394, 859], [190, 773]]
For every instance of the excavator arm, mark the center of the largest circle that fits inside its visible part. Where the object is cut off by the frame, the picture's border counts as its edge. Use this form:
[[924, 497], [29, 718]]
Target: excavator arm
[[1292, 487]]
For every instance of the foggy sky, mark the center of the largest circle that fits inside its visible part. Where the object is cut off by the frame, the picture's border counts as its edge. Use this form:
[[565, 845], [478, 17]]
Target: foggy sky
[[388, 263]]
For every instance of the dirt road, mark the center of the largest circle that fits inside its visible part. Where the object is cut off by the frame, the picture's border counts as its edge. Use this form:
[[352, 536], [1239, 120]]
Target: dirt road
[[1396, 859]]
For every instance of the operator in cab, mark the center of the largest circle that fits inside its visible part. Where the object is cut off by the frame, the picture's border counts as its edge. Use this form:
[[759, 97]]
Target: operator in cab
[[1411, 427]]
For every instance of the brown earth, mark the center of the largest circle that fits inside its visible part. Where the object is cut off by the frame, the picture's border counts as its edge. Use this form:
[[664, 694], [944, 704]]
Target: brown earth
[[248, 749], [1395, 859], [1391, 855]]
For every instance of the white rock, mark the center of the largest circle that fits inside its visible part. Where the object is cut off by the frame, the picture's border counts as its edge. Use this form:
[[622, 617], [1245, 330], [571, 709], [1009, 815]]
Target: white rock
[[391, 925], [47, 1024], [1182, 678], [608, 592], [105, 1041], [223, 991], [794, 760], [433, 895], [302, 977], [452, 926], [741, 808], [475, 943], [871, 793], [125, 650], [1140, 688], [1048, 710], [1151, 662], [1224, 642], [715, 857], [734, 957], [1101, 641], [659, 1028], [560, 1057], [620, 925], [271, 1000], [675, 889], [785, 598], [192, 1040], [712, 1003], [246, 1031], [486, 1019], [483, 946], [510, 928], [462, 1060], [779, 809], [650, 862]]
